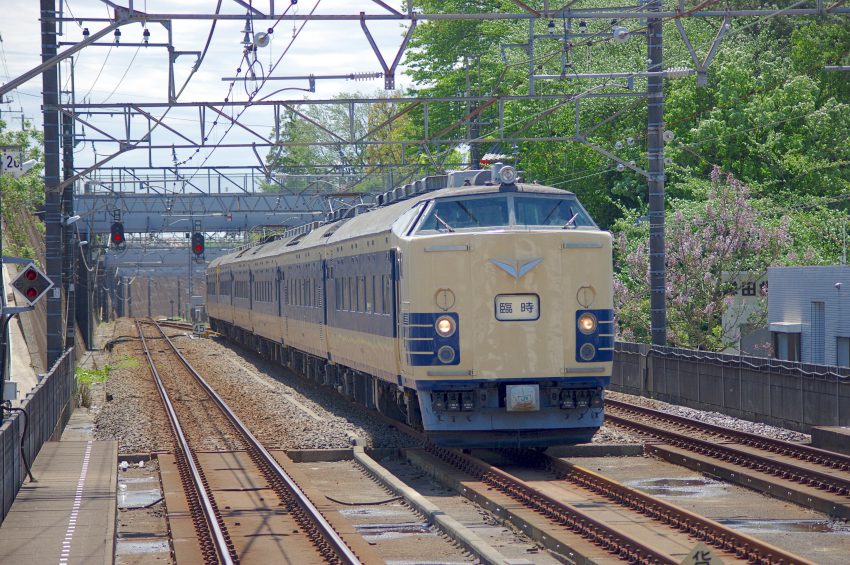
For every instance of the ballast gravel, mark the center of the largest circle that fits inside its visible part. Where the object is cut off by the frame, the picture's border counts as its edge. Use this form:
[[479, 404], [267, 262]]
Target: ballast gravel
[[283, 410], [714, 418]]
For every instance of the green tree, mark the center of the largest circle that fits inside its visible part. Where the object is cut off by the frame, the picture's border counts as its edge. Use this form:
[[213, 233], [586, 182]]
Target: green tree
[[21, 196]]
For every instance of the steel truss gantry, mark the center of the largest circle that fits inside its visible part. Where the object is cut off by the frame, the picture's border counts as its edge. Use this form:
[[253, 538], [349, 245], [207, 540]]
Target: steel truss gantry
[[223, 212]]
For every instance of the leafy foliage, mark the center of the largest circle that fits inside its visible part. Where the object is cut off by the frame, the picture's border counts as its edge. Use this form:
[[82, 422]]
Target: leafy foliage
[[21, 196], [760, 163], [724, 232]]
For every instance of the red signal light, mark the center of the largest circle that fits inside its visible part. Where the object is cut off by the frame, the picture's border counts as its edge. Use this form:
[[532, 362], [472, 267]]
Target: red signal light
[[32, 284]]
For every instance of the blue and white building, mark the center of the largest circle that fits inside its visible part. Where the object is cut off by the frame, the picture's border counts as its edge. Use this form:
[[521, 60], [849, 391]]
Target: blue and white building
[[809, 314]]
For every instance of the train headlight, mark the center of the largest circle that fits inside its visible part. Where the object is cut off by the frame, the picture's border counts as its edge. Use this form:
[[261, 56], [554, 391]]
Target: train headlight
[[445, 326], [446, 354], [587, 323], [587, 352], [508, 174]]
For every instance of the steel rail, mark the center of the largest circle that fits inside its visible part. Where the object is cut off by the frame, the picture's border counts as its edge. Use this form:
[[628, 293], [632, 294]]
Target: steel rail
[[802, 452], [328, 533], [705, 529], [217, 534], [560, 513], [796, 473]]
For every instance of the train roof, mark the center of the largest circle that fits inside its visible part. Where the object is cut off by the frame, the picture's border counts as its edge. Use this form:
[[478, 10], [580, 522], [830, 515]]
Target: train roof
[[372, 221]]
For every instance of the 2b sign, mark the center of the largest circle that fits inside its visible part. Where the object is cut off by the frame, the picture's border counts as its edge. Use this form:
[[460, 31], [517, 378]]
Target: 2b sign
[[11, 159]]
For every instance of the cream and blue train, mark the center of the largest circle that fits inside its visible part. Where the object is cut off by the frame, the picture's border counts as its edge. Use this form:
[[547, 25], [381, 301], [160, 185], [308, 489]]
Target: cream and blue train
[[471, 306]]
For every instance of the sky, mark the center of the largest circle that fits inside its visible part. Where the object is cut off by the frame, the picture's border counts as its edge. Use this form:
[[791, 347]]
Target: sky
[[132, 74]]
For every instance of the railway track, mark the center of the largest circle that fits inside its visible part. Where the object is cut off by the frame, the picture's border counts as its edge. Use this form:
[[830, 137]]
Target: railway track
[[799, 473], [583, 516], [228, 490], [586, 508]]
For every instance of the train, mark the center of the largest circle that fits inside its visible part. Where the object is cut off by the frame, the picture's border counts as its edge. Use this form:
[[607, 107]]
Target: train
[[471, 305]]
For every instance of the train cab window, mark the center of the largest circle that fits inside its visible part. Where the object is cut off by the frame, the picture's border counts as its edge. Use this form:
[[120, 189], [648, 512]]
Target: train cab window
[[543, 211], [405, 221], [470, 212]]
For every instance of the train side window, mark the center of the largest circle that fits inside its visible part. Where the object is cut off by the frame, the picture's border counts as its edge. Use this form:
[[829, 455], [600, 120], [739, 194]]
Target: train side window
[[355, 303], [401, 225], [337, 294]]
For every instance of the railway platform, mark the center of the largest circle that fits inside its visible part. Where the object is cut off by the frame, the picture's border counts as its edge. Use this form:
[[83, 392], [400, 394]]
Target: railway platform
[[68, 515]]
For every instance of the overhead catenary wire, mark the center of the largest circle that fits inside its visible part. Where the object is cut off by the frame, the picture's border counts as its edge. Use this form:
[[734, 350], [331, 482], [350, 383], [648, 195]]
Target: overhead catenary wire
[[256, 90], [97, 77], [123, 76]]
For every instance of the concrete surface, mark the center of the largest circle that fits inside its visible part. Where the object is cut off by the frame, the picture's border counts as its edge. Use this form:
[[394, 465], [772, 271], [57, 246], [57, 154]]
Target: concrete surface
[[832, 438], [68, 516]]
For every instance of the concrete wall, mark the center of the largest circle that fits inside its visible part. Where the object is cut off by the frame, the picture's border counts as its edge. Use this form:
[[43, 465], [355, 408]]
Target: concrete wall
[[796, 396], [792, 291]]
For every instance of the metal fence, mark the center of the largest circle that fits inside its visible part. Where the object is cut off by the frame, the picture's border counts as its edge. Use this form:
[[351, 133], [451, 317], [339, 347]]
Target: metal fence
[[792, 395], [48, 408]]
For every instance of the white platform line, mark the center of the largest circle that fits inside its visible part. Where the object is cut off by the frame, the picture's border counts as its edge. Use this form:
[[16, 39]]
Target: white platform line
[[75, 509]]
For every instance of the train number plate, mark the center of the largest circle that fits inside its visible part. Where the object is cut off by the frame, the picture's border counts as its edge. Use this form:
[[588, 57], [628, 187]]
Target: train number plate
[[522, 398], [514, 307]]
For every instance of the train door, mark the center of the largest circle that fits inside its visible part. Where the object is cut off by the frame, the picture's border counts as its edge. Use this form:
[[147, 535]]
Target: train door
[[400, 306]]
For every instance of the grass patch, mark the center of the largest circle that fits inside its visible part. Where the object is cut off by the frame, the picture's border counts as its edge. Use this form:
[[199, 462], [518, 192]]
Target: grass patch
[[128, 362], [86, 378]]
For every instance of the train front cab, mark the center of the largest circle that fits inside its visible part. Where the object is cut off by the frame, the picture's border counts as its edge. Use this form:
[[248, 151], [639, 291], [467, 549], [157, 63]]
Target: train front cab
[[507, 334]]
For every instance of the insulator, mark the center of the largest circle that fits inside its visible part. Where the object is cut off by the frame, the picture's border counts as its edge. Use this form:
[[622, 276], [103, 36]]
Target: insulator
[[677, 72]]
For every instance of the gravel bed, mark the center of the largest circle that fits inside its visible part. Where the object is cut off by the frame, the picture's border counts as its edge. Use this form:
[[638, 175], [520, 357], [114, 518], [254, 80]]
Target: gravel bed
[[205, 427], [612, 435], [130, 411], [714, 418], [282, 410]]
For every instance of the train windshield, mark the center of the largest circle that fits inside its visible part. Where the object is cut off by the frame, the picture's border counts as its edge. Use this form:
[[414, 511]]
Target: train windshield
[[503, 210], [459, 213], [541, 211]]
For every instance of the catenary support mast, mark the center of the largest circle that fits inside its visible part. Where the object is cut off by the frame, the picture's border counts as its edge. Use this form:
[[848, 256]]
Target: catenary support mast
[[655, 154]]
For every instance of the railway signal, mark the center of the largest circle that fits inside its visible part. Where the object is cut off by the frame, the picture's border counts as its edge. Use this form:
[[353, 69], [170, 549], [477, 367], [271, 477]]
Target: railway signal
[[117, 234], [32, 284], [198, 243]]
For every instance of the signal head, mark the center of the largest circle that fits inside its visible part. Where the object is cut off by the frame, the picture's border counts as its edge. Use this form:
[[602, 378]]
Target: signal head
[[32, 284]]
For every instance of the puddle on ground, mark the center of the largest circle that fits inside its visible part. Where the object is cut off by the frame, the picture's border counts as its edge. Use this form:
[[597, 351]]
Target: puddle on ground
[[374, 532], [696, 486], [427, 562], [139, 547], [137, 480], [133, 498], [762, 525], [377, 512]]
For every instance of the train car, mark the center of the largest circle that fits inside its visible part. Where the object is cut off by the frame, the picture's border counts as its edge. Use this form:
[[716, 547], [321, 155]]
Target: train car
[[478, 311]]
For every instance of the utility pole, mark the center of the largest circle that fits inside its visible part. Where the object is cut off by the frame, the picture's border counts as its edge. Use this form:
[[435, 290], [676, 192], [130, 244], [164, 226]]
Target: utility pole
[[69, 268], [655, 153], [52, 197]]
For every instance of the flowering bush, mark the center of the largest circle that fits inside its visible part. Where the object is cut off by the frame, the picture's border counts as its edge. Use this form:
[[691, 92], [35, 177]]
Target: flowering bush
[[724, 232]]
